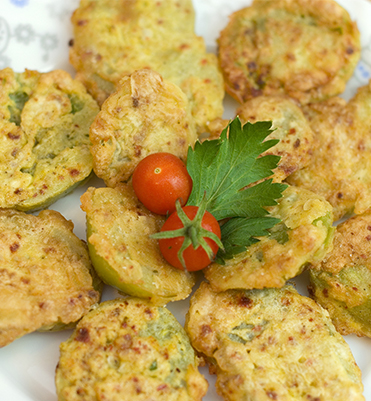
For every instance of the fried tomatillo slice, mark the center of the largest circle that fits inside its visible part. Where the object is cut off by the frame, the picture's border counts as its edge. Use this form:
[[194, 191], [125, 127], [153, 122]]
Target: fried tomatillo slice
[[128, 349], [271, 344], [46, 277], [307, 49], [146, 115], [340, 169], [303, 237], [113, 39], [290, 126], [342, 282], [122, 252], [44, 137]]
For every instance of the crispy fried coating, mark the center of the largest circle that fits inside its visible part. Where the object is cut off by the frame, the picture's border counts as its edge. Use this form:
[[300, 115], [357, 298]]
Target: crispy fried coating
[[115, 38], [303, 237], [272, 344], [291, 128], [340, 169], [296, 138], [307, 49], [46, 277], [44, 137], [128, 349], [122, 252], [342, 281], [147, 114]]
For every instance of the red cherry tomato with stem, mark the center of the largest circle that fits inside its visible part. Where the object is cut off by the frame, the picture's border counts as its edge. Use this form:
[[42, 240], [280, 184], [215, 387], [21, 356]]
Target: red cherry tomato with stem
[[159, 180], [190, 238]]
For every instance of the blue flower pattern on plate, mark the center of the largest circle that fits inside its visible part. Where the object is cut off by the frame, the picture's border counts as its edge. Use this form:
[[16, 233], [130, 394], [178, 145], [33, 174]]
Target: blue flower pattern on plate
[[19, 3]]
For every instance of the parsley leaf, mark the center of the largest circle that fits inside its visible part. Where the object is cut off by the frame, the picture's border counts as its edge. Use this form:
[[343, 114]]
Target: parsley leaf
[[238, 234], [223, 167], [224, 172]]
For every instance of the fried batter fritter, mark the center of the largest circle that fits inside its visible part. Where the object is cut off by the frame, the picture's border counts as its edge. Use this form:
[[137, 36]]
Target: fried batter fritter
[[290, 127], [122, 252], [307, 49], [342, 282], [46, 277], [340, 169], [272, 344], [146, 115], [128, 349], [115, 38], [303, 237], [44, 137]]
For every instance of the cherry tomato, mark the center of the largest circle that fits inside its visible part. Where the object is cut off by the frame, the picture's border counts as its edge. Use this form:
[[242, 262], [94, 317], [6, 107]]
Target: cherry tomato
[[159, 180], [195, 259]]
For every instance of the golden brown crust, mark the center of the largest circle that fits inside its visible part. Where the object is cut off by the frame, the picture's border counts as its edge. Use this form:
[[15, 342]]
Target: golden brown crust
[[128, 349], [351, 245], [45, 274], [291, 128], [272, 344], [303, 238], [307, 49], [147, 114], [113, 39], [123, 254], [342, 281], [44, 122], [340, 169]]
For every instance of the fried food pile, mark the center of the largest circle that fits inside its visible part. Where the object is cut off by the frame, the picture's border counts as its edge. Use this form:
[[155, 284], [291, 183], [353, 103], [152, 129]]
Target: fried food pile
[[47, 279], [341, 282], [146, 114], [341, 164], [122, 252], [115, 38], [44, 154], [302, 238], [144, 84], [306, 49], [129, 349], [271, 344]]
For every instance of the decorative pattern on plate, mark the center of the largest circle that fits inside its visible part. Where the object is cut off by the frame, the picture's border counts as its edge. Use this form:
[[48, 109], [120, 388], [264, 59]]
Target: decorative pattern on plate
[[27, 365]]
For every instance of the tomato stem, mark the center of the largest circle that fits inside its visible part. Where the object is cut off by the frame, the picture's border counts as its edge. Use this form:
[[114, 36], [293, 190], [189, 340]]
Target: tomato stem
[[192, 232]]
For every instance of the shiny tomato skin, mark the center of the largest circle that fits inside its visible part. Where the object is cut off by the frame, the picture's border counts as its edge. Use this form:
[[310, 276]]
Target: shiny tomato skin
[[195, 259], [159, 180]]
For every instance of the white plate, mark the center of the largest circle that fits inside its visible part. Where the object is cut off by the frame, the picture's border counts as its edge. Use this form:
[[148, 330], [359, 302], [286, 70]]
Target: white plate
[[34, 34]]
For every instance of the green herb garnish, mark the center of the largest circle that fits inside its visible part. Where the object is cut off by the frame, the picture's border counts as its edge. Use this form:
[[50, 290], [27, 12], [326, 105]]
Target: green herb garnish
[[233, 177]]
